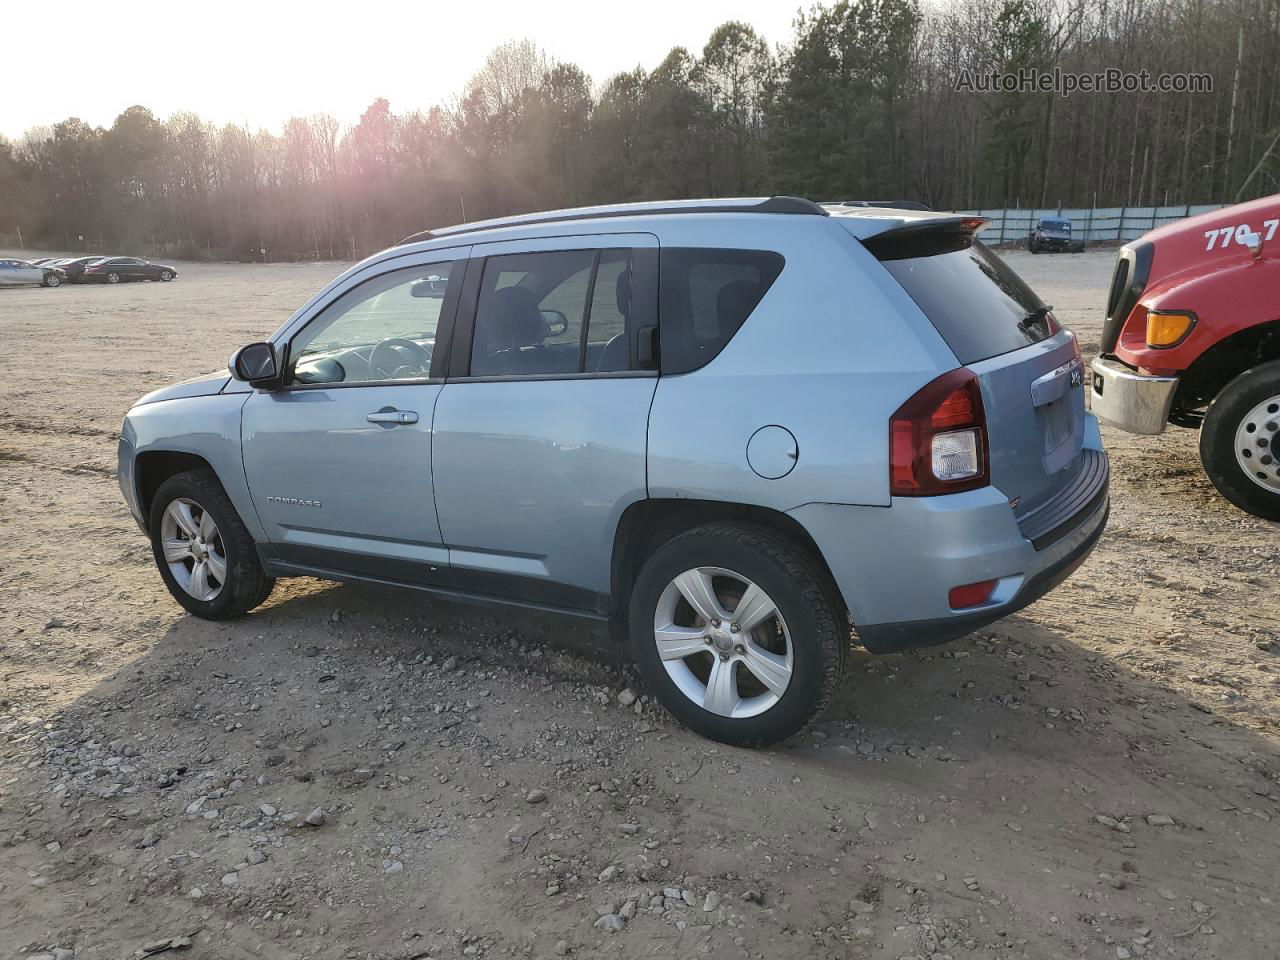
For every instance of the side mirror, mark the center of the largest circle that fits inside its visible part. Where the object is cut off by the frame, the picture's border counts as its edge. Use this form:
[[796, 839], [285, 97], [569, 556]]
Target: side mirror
[[554, 323], [1253, 241], [255, 364]]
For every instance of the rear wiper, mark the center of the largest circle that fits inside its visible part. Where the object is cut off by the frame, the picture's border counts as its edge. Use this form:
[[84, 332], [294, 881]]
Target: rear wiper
[[1035, 316]]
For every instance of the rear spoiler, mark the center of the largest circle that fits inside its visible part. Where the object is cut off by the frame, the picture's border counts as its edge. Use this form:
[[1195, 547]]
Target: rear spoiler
[[867, 222], [924, 236], [885, 204], [944, 223]]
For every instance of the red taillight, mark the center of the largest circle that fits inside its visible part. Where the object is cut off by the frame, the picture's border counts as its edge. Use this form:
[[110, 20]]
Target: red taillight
[[938, 439], [971, 594]]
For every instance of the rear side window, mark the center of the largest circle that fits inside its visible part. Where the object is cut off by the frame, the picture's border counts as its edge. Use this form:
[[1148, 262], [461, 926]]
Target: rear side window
[[980, 307], [705, 295]]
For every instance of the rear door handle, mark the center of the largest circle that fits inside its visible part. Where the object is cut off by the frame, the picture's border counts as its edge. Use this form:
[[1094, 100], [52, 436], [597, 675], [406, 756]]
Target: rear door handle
[[393, 416]]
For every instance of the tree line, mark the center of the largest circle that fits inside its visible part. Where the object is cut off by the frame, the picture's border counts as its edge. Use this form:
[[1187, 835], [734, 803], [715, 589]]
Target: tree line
[[863, 101]]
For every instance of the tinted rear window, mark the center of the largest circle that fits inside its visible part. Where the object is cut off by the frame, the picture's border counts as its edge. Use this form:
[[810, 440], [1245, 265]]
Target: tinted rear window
[[978, 305], [705, 295]]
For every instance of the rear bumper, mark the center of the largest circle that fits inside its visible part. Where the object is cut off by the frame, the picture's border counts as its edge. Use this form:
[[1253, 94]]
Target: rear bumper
[[1130, 400], [891, 637], [896, 566]]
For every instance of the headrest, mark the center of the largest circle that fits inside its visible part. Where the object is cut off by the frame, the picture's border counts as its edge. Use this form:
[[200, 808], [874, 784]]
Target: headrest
[[622, 292], [517, 319]]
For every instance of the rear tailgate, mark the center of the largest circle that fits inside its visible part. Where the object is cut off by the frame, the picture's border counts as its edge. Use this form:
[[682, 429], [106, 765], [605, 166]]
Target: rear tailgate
[[1029, 367]]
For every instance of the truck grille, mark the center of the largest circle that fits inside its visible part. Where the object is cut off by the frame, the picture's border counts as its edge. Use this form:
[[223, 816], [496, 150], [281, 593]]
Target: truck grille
[[1133, 269]]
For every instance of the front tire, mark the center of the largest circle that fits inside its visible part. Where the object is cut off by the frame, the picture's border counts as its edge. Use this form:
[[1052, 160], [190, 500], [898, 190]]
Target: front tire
[[203, 551], [165, 276], [737, 633], [1240, 441]]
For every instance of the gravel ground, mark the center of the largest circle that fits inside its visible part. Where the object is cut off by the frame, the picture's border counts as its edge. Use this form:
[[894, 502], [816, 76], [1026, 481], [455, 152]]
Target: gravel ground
[[357, 772]]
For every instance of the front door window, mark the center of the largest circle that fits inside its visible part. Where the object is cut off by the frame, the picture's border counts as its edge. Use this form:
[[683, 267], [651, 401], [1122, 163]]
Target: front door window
[[383, 330]]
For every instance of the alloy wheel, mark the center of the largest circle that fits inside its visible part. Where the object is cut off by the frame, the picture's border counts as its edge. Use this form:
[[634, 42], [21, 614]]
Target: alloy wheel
[[723, 642], [193, 549]]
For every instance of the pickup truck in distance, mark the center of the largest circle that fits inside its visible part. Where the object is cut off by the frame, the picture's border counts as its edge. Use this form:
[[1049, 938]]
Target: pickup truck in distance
[[1192, 338], [1053, 235]]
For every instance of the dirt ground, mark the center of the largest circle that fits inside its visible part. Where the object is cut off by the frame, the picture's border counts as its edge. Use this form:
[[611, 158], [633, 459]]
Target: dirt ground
[[1096, 777]]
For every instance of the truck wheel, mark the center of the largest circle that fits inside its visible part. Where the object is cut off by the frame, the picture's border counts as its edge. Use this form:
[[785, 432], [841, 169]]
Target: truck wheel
[[1240, 441], [206, 556], [736, 633]]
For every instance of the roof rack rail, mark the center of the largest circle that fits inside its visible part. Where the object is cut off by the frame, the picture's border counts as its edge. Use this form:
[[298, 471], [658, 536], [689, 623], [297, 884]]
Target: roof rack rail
[[781, 205], [888, 204]]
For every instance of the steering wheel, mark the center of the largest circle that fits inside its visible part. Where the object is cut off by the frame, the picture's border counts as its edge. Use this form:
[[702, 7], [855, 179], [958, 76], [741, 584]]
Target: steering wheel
[[388, 359]]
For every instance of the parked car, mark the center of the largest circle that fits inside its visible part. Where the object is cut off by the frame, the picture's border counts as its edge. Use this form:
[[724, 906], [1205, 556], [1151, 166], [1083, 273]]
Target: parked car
[[1053, 235], [24, 271], [726, 428], [120, 269], [75, 267], [1192, 338]]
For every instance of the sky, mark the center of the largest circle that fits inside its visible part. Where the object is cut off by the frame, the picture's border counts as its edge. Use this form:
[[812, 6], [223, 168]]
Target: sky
[[259, 63]]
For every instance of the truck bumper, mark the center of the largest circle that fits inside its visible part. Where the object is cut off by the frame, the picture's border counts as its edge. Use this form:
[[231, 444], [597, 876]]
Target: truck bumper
[[1130, 400]]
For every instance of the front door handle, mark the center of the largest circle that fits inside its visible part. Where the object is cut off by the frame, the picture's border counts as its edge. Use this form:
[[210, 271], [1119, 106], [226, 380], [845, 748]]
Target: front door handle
[[393, 416]]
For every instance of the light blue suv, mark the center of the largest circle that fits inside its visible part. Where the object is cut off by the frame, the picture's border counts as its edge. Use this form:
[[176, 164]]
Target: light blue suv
[[727, 428]]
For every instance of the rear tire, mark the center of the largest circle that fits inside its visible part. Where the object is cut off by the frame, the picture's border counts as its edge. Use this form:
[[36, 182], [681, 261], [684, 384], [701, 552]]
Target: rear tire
[[713, 678], [1240, 441], [222, 537]]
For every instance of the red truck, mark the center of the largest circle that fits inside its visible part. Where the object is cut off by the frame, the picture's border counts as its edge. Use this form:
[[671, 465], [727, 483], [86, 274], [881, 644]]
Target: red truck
[[1192, 338]]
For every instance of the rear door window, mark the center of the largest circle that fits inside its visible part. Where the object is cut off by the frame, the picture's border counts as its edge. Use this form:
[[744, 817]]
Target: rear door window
[[531, 313], [705, 295], [557, 313], [975, 301]]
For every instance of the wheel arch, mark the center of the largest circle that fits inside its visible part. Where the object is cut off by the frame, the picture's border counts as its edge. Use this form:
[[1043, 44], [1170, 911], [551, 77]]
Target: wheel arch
[[153, 467], [647, 524], [1225, 360]]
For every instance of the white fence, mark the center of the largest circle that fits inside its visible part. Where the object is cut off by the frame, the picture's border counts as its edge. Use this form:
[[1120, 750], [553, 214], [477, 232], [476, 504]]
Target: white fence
[[1093, 224]]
